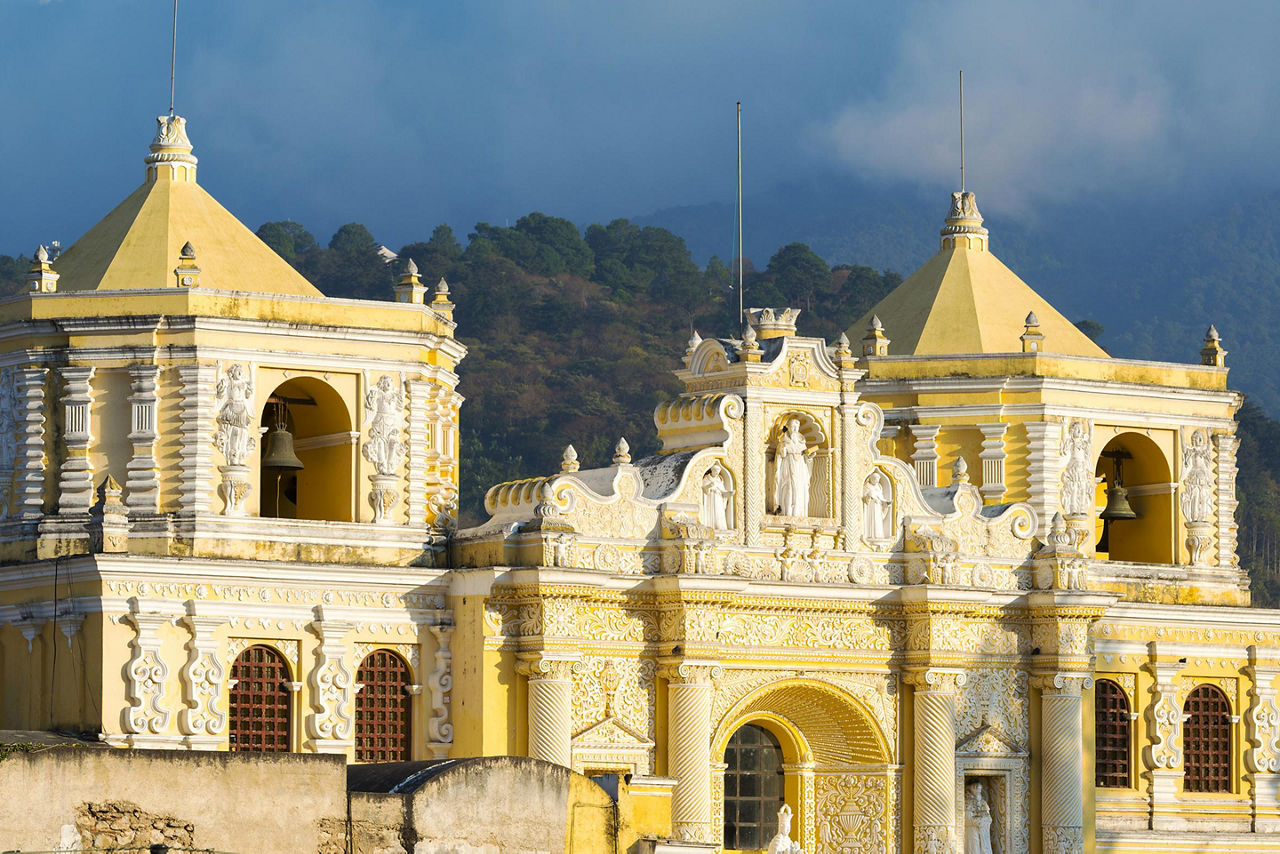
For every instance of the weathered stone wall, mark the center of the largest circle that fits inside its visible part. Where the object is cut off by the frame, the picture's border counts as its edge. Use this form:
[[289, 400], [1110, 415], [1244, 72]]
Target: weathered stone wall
[[265, 803]]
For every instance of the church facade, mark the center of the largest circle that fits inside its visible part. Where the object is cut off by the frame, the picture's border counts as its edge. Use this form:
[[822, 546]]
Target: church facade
[[958, 581]]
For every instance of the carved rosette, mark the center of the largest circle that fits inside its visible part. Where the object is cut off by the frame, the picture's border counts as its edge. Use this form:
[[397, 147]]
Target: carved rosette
[[203, 678], [331, 722], [440, 684], [146, 674]]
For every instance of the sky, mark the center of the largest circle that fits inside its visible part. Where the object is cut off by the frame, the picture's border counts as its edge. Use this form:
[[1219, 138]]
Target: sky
[[402, 114]]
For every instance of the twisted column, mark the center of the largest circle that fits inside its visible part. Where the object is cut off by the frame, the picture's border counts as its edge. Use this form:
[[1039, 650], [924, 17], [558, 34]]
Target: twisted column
[[550, 708], [753, 471], [935, 759], [690, 690], [1062, 762]]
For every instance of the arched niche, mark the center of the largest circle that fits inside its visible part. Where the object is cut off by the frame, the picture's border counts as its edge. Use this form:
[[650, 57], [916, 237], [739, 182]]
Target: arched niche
[[320, 423], [820, 469], [1147, 478]]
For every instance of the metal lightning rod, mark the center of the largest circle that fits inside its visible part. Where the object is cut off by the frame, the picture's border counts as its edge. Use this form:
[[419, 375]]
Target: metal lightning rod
[[741, 251], [173, 57], [961, 128]]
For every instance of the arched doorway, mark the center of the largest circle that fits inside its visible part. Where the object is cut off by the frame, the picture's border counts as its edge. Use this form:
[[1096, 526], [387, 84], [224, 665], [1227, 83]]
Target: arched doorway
[[260, 710], [837, 777], [319, 425], [383, 709], [1136, 463]]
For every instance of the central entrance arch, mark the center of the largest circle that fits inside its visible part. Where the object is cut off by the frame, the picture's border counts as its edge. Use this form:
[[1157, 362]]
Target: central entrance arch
[[838, 776]]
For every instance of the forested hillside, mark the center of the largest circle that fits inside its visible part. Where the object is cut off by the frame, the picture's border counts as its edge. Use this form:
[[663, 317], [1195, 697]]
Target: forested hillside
[[572, 338]]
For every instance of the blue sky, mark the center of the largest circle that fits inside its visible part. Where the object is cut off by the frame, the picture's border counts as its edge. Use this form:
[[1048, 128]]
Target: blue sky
[[402, 115]]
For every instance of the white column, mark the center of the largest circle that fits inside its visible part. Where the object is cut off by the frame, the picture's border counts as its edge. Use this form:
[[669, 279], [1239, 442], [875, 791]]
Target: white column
[[331, 723], [1044, 459], [1062, 752], [550, 708], [850, 493], [142, 478], [993, 456], [1224, 445], [753, 470], [195, 455], [690, 690], [416, 462], [1262, 756], [75, 482], [925, 453], [934, 829], [29, 389]]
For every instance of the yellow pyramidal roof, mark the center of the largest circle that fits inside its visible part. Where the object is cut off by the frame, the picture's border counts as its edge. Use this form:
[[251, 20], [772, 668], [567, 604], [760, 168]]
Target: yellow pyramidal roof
[[964, 300], [138, 245]]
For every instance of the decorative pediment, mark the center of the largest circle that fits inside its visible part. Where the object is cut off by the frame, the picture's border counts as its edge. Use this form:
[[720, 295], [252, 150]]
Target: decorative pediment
[[989, 739], [613, 731]]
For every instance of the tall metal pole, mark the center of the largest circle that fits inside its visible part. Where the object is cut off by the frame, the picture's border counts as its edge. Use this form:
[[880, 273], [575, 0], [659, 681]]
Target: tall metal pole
[[961, 131], [173, 57], [741, 251]]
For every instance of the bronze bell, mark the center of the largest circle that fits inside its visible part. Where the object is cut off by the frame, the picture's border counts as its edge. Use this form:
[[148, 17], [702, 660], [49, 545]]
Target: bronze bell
[[279, 451], [1117, 505]]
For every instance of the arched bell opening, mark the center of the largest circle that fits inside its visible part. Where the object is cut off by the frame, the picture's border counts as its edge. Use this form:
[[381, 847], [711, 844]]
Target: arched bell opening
[[1134, 499], [307, 453]]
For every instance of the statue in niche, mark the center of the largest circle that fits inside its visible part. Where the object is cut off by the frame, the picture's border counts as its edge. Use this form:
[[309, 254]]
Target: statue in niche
[[791, 471], [781, 842], [234, 391], [1197, 486], [717, 491], [977, 821], [1077, 476], [877, 507]]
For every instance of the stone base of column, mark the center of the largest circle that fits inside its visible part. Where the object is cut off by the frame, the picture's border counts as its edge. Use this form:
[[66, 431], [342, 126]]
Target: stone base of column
[[333, 745], [1062, 840], [1266, 803], [934, 839], [203, 742], [1164, 800]]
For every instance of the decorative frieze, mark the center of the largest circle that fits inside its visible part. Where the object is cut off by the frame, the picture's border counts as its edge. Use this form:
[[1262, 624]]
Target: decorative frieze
[[924, 455], [142, 480], [75, 481], [993, 456]]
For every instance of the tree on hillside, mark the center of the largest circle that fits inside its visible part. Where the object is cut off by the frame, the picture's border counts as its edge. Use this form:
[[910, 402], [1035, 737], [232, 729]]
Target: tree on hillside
[[350, 268], [799, 274], [435, 256], [287, 238], [1092, 328], [560, 237]]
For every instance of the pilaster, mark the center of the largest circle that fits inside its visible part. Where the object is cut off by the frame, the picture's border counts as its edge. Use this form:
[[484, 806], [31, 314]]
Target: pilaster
[[440, 683], [29, 389], [550, 706], [753, 470], [1224, 446], [202, 721], [1162, 758], [419, 448], [993, 456], [1044, 459], [75, 481], [146, 719], [924, 456], [142, 479], [331, 723], [195, 453], [690, 691], [850, 494], [1262, 756], [1062, 761]]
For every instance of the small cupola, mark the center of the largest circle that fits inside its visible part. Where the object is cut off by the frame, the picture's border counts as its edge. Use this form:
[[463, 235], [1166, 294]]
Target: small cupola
[[171, 158], [410, 288], [1032, 338], [875, 343], [963, 229], [40, 278], [440, 303], [1212, 353], [187, 273]]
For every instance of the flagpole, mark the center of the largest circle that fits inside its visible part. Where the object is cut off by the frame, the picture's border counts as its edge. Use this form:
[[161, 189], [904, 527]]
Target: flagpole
[[741, 306]]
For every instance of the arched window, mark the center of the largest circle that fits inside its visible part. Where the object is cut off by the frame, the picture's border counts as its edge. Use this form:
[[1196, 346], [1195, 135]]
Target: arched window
[[1206, 741], [260, 701], [383, 708], [753, 788], [1110, 735]]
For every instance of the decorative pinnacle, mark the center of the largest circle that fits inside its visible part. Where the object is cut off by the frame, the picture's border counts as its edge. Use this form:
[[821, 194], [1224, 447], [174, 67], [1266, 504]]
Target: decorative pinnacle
[[960, 472], [546, 508], [1210, 335], [749, 337], [694, 340], [42, 254], [569, 462], [1032, 320], [188, 251], [875, 322], [411, 269], [442, 287], [843, 341], [621, 453]]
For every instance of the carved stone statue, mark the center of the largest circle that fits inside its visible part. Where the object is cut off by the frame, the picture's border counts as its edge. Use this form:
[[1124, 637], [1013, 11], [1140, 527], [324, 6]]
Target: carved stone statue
[[1077, 475], [716, 492], [781, 842], [234, 391], [977, 821], [791, 473], [877, 507], [1197, 485], [384, 405]]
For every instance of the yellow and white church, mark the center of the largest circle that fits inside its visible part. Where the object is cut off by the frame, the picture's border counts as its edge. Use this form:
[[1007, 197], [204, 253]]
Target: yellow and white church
[[959, 581]]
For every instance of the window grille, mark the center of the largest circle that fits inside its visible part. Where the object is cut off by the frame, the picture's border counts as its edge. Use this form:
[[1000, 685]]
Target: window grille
[[1111, 735], [1206, 739], [260, 702], [383, 709], [753, 788]]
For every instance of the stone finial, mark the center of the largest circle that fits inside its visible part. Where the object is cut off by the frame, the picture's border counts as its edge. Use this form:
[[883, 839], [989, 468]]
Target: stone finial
[[694, 340], [41, 278], [749, 337], [442, 287], [1212, 353], [42, 254], [171, 155], [441, 304], [1059, 537], [546, 508], [843, 341], [875, 342], [621, 453], [188, 251], [960, 471], [410, 288], [963, 229], [569, 461], [411, 268], [187, 273], [1032, 338]]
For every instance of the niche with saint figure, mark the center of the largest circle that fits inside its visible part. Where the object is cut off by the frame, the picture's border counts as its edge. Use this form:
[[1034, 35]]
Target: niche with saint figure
[[798, 467], [984, 817], [307, 453], [717, 497]]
